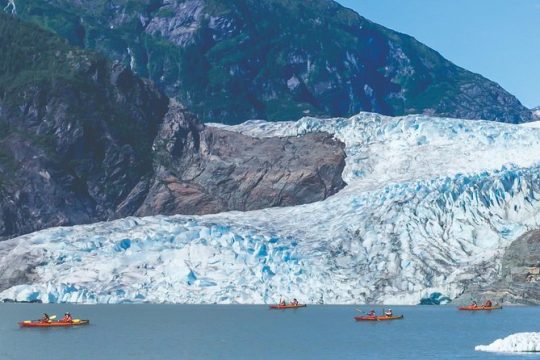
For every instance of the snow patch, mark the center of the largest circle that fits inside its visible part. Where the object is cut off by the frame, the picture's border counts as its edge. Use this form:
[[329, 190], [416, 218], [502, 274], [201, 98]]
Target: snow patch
[[536, 113], [131, 59], [11, 4], [293, 83]]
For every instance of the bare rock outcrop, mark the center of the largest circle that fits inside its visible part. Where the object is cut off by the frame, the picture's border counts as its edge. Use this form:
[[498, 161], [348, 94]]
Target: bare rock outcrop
[[201, 170], [519, 280]]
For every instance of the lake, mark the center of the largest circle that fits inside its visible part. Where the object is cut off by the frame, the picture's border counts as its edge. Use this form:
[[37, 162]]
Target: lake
[[254, 332]]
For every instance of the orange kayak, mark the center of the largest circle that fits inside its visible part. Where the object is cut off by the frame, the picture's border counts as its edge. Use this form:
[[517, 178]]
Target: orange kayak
[[481, 307], [41, 324], [283, 307], [377, 318]]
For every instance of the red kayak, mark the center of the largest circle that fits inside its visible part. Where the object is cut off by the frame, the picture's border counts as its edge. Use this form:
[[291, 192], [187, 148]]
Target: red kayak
[[41, 324], [283, 307], [377, 318], [481, 307]]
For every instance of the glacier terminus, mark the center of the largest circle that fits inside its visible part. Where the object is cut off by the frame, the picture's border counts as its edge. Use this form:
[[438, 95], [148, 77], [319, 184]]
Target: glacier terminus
[[430, 205]]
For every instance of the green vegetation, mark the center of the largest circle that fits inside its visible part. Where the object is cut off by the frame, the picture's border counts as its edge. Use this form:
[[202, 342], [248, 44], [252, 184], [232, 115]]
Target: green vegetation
[[4, 130], [37, 68], [43, 62], [165, 13]]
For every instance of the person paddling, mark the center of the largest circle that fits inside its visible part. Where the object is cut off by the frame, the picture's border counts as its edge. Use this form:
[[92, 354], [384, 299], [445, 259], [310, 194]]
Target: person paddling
[[474, 304], [67, 318], [45, 318], [488, 303], [388, 312], [282, 302], [294, 302]]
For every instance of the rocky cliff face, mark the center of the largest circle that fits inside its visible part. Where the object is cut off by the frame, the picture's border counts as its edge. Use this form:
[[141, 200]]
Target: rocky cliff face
[[83, 140], [519, 277], [201, 170], [229, 61]]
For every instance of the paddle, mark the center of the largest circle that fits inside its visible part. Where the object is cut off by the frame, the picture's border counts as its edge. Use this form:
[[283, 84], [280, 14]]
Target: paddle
[[365, 312], [52, 317], [362, 311]]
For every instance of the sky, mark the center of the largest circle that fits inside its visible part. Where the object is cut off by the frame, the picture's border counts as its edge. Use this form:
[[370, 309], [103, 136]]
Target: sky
[[499, 39]]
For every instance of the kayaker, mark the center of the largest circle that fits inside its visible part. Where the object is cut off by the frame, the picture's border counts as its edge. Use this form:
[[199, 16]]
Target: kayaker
[[371, 313], [67, 318], [294, 302], [488, 303], [45, 318], [474, 304], [282, 302], [388, 312]]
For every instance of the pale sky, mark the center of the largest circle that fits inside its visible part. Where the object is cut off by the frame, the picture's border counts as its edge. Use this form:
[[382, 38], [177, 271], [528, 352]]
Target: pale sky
[[499, 39]]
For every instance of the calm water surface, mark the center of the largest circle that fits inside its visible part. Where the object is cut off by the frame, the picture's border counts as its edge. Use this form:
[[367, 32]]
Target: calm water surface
[[253, 332]]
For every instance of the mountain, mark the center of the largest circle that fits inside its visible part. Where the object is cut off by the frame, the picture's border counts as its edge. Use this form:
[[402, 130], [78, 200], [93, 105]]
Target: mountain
[[233, 60], [84, 140], [431, 205]]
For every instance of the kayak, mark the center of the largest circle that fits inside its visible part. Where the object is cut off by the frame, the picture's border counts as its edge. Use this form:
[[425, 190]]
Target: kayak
[[283, 307], [40, 324], [377, 318], [476, 308]]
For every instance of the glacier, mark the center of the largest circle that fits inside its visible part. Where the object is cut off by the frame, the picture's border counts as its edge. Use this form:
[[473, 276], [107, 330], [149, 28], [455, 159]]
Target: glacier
[[429, 206], [515, 343]]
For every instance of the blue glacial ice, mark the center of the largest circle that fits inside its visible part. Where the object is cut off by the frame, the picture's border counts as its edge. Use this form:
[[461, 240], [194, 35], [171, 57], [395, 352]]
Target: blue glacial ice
[[430, 205]]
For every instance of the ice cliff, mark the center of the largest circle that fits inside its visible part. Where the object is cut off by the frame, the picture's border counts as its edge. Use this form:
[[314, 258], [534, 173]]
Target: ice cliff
[[430, 205]]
